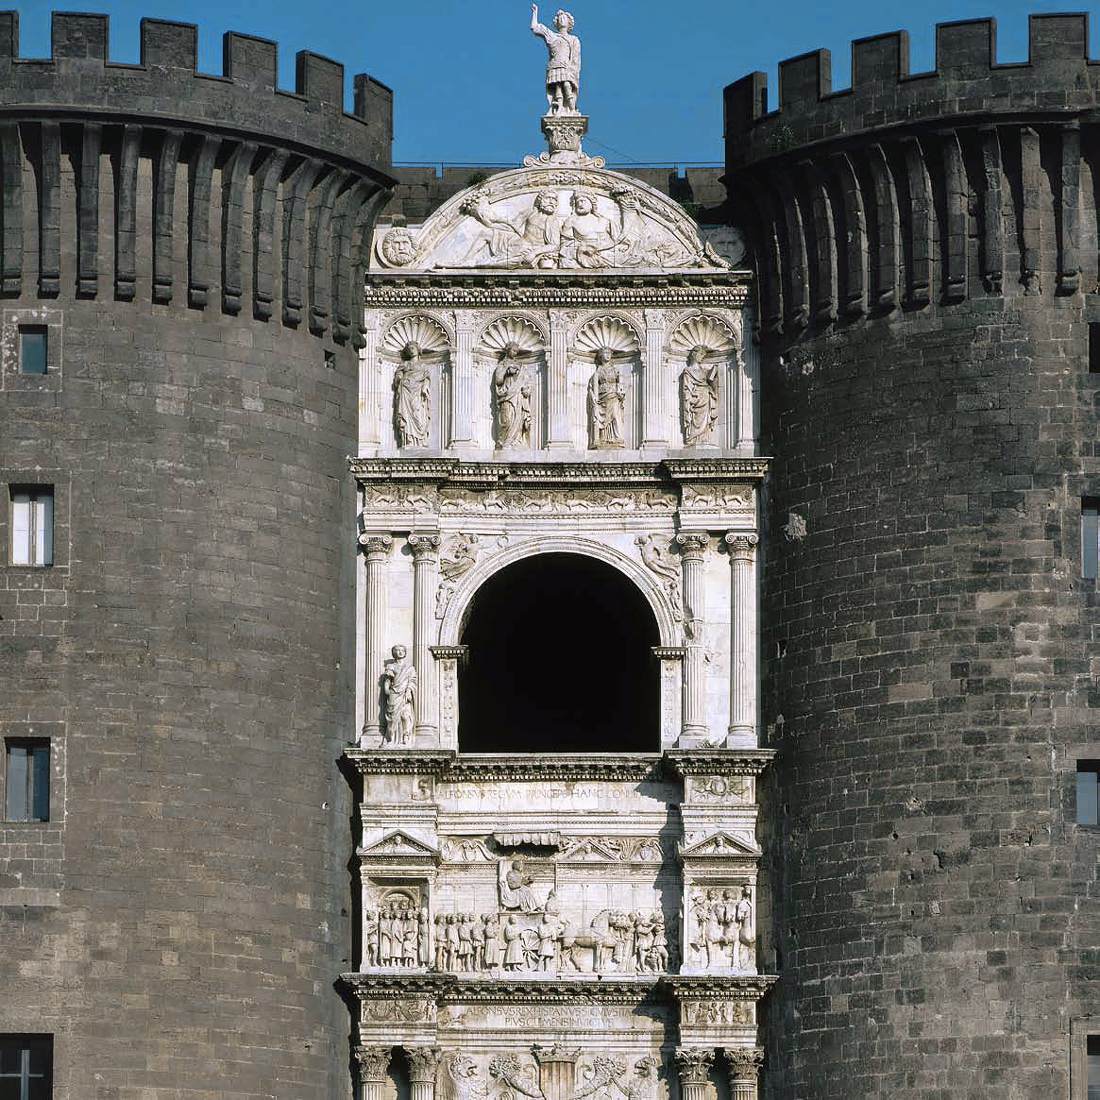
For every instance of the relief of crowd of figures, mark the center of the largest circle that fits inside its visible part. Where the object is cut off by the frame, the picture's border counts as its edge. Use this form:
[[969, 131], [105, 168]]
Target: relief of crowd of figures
[[526, 937]]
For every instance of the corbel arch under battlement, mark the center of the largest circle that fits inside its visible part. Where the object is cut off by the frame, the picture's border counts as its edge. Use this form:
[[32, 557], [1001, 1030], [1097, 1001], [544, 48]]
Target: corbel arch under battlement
[[450, 633]]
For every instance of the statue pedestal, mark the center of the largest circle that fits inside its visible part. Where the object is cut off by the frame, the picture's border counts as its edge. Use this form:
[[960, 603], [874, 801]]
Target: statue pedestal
[[563, 136]]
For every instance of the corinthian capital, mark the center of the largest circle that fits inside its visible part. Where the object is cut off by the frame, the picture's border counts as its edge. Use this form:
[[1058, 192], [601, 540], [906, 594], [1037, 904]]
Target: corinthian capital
[[744, 1063], [422, 1063], [694, 1064], [373, 1062]]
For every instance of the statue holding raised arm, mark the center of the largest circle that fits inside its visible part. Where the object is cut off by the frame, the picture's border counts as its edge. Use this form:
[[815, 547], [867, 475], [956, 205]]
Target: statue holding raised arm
[[563, 70]]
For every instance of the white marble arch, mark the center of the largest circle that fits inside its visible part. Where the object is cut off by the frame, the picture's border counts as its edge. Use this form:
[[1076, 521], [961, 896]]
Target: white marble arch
[[565, 542]]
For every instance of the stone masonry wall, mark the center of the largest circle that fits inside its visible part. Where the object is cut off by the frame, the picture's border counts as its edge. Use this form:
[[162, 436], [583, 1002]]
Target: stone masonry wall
[[179, 924], [927, 255]]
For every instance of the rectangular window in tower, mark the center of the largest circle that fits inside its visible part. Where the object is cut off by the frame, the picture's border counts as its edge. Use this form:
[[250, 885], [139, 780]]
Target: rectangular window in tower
[[1090, 538], [27, 782], [1088, 792], [33, 347], [1094, 347], [1093, 1056], [26, 1067], [32, 526]]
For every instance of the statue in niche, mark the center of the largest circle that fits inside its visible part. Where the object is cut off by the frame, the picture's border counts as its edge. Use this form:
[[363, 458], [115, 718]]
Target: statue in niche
[[412, 385], [512, 392], [534, 241], [399, 696], [515, 887], [563, 68], [699, 396], [607, 401]]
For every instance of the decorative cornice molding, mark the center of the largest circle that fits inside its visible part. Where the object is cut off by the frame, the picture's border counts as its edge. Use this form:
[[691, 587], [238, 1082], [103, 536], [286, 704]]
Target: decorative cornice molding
[[399, 761], [591, 990], [448, 765], [685, 762], [728, 291], [751, 987], [539, 766], [454, 471], [390, 987]]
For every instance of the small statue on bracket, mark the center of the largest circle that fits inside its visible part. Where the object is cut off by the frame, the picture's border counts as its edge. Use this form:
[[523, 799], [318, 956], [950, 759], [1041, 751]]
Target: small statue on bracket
[[399, 694]]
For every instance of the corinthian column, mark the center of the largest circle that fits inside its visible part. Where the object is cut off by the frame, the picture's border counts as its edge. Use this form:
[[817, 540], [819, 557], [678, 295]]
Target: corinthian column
[[422, 1070], [693, 547], [744, 1069], [743, 642], [376, 550], [425, 551], [693, 1065], [373, 1063]]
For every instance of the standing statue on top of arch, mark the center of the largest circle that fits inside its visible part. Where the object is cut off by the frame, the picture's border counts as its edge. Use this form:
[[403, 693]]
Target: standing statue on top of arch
[[563, 69]]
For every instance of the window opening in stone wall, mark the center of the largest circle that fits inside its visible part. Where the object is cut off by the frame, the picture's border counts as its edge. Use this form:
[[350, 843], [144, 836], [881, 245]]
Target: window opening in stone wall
[[1094, 347], [31, 525], [26, 1067], [1093, 1057], [33, 347], [27, 782], [559, 660], [1090, 538], [1088, 792]]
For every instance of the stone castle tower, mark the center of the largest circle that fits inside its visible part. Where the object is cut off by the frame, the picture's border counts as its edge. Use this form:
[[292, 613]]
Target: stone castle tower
[[679, 697], [190, 247], [926, 246]]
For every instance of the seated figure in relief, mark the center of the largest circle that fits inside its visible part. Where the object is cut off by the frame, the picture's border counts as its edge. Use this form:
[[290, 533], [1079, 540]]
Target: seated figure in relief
[[515, 887]]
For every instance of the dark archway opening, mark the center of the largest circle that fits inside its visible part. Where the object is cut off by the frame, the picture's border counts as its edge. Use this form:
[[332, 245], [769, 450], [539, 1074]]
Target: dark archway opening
[[559, 660]]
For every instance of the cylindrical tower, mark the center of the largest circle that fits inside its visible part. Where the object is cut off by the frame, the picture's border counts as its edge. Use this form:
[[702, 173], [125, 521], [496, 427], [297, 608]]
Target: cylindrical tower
[[182, 255], [927, 254]]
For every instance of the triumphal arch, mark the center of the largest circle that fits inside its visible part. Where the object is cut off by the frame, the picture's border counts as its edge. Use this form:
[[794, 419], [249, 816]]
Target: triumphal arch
[[557, 863]]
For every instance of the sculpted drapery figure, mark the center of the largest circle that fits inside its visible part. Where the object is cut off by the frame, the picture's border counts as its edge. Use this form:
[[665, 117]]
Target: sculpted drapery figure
[[535, 241], [399, 693], [412, 385], [563, 69], [607, 398], [512, 392], [699, 393]]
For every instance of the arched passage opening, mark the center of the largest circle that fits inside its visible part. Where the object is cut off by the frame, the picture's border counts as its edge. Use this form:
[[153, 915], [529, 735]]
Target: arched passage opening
[[559, 660]]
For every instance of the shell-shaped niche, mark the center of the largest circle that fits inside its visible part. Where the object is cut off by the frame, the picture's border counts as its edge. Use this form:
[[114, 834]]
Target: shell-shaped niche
[[711, 333], [607, 334], [428, 335], [508, 331]]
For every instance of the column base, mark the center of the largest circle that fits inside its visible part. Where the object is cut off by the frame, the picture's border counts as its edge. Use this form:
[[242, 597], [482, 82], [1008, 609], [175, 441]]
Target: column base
[[742, 737]]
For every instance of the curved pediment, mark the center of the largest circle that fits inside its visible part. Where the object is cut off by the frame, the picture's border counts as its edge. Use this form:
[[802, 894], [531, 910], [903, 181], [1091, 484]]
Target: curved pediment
[[552, 218]]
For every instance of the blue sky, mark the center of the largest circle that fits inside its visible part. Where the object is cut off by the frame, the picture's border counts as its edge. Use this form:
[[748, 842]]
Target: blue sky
[[468, 74]]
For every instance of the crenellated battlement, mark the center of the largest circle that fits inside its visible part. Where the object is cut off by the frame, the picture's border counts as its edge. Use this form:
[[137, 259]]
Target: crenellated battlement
[[167, 83], [910, 190], [967, 81], [207, 187]]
